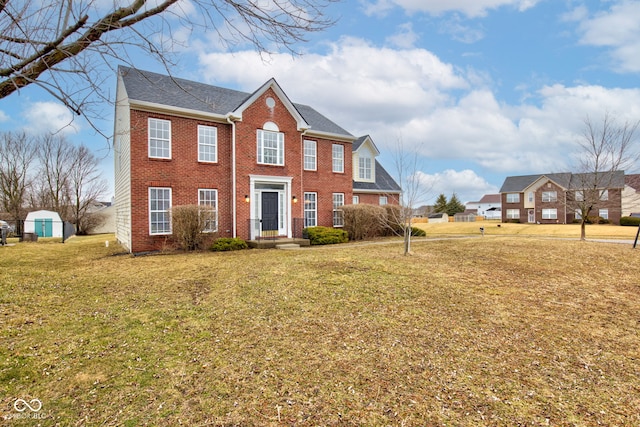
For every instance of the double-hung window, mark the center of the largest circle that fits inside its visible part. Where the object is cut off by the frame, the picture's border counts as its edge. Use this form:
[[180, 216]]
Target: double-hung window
[[337, 154], [159, 139], [159, 210], [383, 200], [207, 144], [310, 155], [513, 197], [310, 209], [603, 213], [364, 168], [208, 202], [513, 213], [549, 214], [604, 195], [549, 196], [270, 147], [338, 216]]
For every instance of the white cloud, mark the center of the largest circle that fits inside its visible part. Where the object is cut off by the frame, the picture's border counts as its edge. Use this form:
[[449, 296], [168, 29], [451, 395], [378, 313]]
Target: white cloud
[[617, 29], [404, 38], [466, 184], [3, 116], [452, 115], [43, 117], [472, 9]]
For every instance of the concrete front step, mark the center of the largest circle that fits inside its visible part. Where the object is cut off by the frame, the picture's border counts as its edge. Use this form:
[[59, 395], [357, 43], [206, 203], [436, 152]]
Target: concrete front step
[[288, 246]]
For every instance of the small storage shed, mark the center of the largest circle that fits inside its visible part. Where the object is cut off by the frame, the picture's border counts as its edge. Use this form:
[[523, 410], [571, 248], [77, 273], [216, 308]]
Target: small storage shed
[[43, 223], [438, 217]]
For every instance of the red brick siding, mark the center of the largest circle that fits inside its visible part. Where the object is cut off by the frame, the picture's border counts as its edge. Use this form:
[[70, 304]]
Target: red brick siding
[[374, 199], [182, 173]]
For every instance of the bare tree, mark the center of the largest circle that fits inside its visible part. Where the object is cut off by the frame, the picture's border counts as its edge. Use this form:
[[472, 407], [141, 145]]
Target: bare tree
[[407, 166], [55, 155], [16, 157], [607, 148], [86, 186], [65, 46]]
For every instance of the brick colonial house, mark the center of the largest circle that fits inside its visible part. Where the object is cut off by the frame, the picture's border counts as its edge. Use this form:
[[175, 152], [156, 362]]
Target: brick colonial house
[[258, 163], [548, 199]]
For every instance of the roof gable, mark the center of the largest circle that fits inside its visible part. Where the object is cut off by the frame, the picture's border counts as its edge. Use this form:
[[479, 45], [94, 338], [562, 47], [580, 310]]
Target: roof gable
[[365, 142], [275, 87]]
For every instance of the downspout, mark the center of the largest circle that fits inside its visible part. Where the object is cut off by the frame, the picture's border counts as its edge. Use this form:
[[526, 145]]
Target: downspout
[[233, 177], [301, 195]]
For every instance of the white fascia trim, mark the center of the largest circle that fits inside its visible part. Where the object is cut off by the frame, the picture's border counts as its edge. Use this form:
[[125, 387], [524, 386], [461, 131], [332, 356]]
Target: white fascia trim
[[176, 111], [333, 136], [356, 191]]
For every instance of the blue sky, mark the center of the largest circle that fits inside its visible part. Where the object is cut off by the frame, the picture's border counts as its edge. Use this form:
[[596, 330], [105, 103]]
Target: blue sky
[[480, 89]]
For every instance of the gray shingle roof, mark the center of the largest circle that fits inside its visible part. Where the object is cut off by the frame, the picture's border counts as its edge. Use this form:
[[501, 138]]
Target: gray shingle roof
[[175, 92], [384, 182]]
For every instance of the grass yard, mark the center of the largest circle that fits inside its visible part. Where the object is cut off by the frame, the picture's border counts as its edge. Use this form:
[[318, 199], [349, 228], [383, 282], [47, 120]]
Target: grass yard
[[495, 228], [499, 331]]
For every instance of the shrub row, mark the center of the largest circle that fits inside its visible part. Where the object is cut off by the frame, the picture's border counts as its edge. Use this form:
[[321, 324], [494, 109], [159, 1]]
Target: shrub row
[[228, 244], [630, 220], [325, 235]]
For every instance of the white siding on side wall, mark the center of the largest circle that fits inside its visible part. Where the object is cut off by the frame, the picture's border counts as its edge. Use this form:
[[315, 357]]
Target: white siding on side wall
[[122, 165]]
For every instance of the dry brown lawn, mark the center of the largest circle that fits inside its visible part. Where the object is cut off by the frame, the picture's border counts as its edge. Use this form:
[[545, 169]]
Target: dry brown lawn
[[499, 331]]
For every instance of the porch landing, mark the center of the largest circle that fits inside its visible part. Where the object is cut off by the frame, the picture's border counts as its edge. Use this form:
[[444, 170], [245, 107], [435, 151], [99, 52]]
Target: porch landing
[[272, 243]]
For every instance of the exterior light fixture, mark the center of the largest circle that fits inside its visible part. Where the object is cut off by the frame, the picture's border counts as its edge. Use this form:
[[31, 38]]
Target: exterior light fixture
[[246, 198], [294, 199]]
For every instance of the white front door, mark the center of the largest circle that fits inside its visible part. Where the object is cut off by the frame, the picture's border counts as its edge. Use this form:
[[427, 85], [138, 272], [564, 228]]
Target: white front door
[[532, 216]]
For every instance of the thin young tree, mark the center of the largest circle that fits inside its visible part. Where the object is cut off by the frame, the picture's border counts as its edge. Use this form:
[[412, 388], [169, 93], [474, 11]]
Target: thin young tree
[[408, 169], [86, 186], [607, 149], [16, 159], [67, 47]]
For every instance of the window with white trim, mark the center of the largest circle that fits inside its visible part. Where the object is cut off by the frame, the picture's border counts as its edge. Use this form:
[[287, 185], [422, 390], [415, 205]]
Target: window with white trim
[[578, 214], [159, 210], [603, 213], [382, 200], [579, 195], [159, 139], [310, 209], [270, 147], [338, 215], [513, 213], [310, 155], [549, 213], [604, 195], [355, 200], [549, 196], [513, 197], [364, 168], [337, 154], [207, 144], [208, 202]]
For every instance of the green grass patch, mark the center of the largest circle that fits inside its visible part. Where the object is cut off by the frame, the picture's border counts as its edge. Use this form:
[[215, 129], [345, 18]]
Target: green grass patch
[[498, 331]]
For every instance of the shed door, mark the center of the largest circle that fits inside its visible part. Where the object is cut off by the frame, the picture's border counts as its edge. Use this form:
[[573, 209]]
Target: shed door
[[44, 227]]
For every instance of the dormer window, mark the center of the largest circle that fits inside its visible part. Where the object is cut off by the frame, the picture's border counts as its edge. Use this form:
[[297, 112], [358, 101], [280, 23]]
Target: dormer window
[[364, 168]]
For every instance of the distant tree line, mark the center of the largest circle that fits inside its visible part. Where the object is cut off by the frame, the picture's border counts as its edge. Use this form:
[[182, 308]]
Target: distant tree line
[[450, 207], [49, 172]]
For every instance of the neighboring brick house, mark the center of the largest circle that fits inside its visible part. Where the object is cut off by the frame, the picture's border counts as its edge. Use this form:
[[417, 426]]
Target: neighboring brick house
[[257, 162], [549, 198], [631, 195]]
